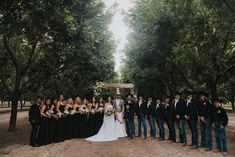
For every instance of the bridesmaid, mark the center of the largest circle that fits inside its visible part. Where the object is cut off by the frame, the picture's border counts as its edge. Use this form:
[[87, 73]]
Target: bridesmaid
[[69, 119], [83, 127], [60, 107], [44, 125], [76, 117], [99, 114], [92, 118], [53, 122]]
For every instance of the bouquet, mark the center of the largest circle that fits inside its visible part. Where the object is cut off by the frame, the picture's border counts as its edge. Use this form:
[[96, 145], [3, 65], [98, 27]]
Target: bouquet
[[58, 115], [92, 111], [101, 109], [109, 110], [66, 112], [74, 112], [49, 113], [84, 110]]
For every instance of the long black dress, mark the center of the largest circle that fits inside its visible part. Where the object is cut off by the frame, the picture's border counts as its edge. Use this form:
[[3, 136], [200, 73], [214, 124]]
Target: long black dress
[[99, 118], [76, 124], [83, 126], [52, 127], [43, 136], [69, 125], [61, 126], [92, 123]]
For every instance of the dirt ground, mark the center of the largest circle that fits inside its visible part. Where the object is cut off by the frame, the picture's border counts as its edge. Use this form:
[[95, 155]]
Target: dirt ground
[[16, 144]]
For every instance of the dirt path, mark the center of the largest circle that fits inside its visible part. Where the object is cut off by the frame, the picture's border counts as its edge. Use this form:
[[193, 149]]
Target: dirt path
[[16, 145]]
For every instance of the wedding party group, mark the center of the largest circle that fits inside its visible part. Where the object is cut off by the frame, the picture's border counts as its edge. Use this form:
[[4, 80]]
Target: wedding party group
[[108, 119]]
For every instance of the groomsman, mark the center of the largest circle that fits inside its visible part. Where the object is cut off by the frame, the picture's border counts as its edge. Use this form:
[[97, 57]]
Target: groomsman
[[129, 116], [151, 118], [141, 108], [160, 118], [179, 108], [191, 115], [220, 121], [205, 114], [34, 119], [169, 118]]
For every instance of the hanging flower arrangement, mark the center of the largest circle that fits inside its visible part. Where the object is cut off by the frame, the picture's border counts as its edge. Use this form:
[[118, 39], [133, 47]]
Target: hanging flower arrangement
[[97, 88]]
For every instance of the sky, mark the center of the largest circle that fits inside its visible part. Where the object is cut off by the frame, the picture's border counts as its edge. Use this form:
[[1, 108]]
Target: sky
[[119, 29]]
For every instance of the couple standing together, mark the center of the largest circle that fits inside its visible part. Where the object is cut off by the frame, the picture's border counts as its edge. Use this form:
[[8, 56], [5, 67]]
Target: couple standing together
[[113, 126]]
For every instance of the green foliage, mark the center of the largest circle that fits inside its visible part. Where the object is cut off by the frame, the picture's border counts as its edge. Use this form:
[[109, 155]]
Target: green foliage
[[177, 45]]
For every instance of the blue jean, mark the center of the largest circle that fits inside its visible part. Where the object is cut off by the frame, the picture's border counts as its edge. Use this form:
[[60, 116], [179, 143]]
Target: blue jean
[[131, 127], [206, 135], [142, 121], [193, 128], [220, 136], [160, 124], [151, 121], [171, 127], [182, 131]]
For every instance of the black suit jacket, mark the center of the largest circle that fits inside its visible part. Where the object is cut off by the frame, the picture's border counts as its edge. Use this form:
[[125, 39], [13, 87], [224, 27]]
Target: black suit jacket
[[205, 109], [34, 113], [159, 111], [150, 110], [180, 108], [141, 110], [192, 109], [129, 111], [169, 112]]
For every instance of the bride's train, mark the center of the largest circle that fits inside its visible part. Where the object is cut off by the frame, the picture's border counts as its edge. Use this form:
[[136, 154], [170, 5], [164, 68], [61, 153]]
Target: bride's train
[[110, 130]]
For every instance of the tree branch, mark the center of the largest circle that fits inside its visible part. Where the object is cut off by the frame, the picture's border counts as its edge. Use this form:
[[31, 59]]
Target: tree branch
[[11, 52], [229, 7]]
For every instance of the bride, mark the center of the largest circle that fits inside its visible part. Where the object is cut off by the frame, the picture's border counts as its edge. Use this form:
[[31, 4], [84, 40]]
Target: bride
[[110, 130], [107, 131]]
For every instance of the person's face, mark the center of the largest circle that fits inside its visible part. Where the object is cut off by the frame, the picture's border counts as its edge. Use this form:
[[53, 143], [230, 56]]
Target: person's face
[[55, 101], [78, 100], [216, 104], [189, 96], [39, 100], [70, 100], [93, 99], [177, 96], [85, 101], [101, 100], [118, 97], [109, 99], [158, 101], [48, 101], [167, 100], [61, 98], [150, 99], [202, 98], [140, 98], [129, 97]]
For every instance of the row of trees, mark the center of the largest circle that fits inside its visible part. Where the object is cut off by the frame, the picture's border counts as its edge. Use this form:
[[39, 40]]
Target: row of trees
[[177, 45], [52, 47]]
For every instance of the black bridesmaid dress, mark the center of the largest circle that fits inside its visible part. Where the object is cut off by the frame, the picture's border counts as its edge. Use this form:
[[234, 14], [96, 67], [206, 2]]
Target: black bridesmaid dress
[[52, 127], [92, 123], [99, 118], [61, 126], [76, 124], [43, 136], [69, 127], [84, 126]]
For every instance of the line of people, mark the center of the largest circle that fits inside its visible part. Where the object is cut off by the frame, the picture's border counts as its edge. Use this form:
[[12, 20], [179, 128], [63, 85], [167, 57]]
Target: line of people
[[178, 112], [56, 120]]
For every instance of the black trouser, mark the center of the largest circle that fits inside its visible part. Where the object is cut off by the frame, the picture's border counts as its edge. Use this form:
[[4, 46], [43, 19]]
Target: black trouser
[[34, 134], [127, 128]]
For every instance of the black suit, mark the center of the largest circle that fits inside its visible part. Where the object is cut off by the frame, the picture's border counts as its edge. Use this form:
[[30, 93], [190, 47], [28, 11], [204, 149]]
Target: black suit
[[141, 112], [192, 113], [34, 119], [129, 113], [169, 118], [179, 109]]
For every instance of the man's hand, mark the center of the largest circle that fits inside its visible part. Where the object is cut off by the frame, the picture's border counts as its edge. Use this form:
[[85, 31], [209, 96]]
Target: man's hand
[[177, 116], [213, 125], [203, 119]]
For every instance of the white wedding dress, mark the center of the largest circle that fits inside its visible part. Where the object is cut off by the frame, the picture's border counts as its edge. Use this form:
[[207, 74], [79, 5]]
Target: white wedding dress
[[107, 131], [120, 127]]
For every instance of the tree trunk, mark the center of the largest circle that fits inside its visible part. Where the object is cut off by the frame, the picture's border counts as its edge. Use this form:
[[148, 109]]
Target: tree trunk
[[14, 105], [213, 89]]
